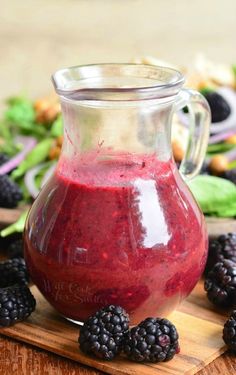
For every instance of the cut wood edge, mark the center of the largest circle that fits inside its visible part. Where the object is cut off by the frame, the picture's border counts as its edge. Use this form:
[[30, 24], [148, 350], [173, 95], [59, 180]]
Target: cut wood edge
[[217, 226], [10, 215]]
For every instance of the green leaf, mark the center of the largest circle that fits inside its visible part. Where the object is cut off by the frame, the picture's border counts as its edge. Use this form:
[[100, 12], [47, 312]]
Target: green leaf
[[206, 90], [232, 164], [216, 196], [20, 112], [36, 156], [26, 195], [234, 70], [219, 148], [18, 226], [40, 175], [20, 116], [57, 127]]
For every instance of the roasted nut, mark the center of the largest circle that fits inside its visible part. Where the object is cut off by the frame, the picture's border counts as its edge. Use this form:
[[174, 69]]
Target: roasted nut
[[178, 151], [231, 139], [59, 140], [47, 109], [54, 153], [41, 104], [218, 164]]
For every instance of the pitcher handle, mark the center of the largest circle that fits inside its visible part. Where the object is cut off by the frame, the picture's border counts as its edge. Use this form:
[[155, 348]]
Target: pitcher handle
[[199, 123]]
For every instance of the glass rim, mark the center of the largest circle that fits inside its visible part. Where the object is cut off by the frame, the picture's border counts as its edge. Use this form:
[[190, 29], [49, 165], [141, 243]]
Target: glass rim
[[70, 82]]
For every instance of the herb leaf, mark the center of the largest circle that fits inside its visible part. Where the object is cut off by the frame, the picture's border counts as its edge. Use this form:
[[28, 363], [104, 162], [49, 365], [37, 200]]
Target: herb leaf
[[219, 148], [216, 196], [34, 157]]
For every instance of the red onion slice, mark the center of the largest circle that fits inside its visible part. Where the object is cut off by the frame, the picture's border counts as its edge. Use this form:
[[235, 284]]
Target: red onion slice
[[216, 138], [48, 174], [29, 179], [29, 143]]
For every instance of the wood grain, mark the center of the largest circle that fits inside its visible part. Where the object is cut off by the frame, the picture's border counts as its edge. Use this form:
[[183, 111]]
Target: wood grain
[[200, 330], [217, 226], [23, 359]]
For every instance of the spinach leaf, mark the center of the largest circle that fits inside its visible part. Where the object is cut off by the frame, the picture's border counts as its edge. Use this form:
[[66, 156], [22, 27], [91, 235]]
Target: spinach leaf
[[34, 157], [20, 112], [219, 148], [234, 70], [216, 196], [18, 226], [57, 127], [20, 115]]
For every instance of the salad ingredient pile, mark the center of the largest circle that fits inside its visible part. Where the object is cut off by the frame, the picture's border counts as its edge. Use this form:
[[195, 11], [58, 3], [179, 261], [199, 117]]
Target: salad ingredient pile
[[30, 142], [215, 189]]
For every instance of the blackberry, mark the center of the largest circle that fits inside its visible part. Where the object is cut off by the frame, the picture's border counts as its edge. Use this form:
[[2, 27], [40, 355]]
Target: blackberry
[[220, 109], [16, 304], [15, 249], [3, 158], [223, 247], [230, 175], [153, 340], [102, 334], [13, 271], [10, 193], [229, 332], [220, 284]]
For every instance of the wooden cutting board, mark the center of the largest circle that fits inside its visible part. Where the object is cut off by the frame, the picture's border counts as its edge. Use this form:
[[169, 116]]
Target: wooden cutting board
[[199, 326]]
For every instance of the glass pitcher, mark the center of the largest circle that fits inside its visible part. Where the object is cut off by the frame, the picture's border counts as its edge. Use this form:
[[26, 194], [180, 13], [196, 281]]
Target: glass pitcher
[[116, 223]]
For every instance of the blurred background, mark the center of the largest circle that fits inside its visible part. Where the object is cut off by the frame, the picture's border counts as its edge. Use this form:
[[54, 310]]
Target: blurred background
[[39, 37]]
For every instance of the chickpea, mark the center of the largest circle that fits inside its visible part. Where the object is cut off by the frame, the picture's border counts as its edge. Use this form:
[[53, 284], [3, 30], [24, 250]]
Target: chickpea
[[178, 151], [231, 140], [218, 164], [59, 140], [47, 109], [54, 153]]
